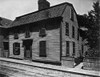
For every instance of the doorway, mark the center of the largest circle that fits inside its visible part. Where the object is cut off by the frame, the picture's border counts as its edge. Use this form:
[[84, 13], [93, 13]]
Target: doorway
[[27, 44]]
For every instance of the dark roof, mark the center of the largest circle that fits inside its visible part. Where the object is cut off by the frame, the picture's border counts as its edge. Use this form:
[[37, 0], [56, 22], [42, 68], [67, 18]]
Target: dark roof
[[52, 12], [5, 23]]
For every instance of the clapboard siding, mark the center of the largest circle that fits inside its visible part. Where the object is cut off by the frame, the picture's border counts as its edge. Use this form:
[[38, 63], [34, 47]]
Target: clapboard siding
[[66, 19], [52, 45]]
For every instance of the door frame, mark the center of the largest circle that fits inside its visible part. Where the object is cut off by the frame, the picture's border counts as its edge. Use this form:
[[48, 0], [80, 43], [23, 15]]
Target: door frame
[[30, 49]]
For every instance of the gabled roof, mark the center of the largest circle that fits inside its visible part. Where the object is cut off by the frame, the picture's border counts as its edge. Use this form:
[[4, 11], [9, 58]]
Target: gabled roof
[[5, 23], [52, 12]]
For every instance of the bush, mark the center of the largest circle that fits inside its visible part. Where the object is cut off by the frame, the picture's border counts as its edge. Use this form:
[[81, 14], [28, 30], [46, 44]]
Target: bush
[[93, 53]]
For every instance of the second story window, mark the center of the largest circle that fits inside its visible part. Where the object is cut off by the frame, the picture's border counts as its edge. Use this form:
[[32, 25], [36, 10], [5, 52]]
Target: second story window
[[16, 36], [27, 34], [73, 32], [67, 29], [42, 32]]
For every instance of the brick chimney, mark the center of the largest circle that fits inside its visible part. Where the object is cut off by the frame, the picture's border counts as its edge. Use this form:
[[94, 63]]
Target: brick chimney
[[43, 4]]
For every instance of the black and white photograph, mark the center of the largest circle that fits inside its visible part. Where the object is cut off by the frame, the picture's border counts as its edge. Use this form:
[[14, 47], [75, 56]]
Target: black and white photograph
[[49, 38]]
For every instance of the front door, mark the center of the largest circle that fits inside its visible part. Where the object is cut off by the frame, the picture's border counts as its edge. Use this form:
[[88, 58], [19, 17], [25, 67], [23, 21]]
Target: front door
[[27, 49], [27, 52]]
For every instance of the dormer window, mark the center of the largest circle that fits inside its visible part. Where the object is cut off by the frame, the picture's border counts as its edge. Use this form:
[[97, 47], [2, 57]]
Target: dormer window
[[27, 34], [16, 36], [42, 32]]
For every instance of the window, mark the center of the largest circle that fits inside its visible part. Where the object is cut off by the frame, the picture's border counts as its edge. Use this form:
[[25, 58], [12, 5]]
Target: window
[[78, 34], [16, 36], [67, 48], [16, 48], [27, 34], [42, 32], [67, 29], [6, 45], [73, 32], [73, 48], [42, 47], [72, 15]]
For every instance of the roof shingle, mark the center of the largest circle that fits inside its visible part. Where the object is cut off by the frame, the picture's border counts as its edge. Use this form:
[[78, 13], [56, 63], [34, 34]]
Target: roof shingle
[[5, 23], [51, 12]]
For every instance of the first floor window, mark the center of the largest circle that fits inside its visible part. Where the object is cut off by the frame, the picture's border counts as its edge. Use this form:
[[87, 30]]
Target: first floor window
[[73, 32], [67, 48], [16, 48], [42, 48], [73, 48], [6, 45]]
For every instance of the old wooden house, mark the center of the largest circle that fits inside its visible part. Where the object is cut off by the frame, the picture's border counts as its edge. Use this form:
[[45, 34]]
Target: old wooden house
[[4, 44], [49, 35]]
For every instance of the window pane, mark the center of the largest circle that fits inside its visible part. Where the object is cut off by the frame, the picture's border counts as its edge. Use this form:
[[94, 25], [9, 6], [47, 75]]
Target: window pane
[[42, 49]]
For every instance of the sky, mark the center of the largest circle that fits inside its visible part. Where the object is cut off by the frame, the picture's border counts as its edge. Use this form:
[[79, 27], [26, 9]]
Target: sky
[[11, 9]]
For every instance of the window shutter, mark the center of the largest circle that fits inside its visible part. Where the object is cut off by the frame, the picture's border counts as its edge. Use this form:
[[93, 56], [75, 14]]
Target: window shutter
[[16, 36], [42, 49], [16, 48], [42, 32]]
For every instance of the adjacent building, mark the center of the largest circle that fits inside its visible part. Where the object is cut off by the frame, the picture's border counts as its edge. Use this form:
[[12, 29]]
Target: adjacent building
[[4, 48]]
